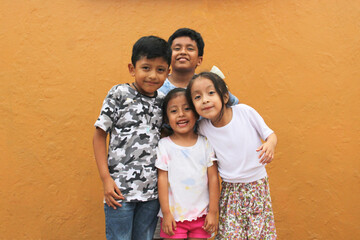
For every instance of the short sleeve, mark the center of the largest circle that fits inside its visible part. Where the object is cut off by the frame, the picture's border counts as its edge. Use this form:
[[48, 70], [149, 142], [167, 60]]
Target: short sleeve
[[162, 159], [258, 123], [108, 113], [210, 153]]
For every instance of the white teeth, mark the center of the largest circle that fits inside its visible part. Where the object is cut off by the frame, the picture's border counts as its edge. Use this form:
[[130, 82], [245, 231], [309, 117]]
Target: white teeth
[[182, 123]]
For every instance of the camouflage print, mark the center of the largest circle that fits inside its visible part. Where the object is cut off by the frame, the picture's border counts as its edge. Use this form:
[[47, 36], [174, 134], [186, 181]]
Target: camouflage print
[[133, 121]]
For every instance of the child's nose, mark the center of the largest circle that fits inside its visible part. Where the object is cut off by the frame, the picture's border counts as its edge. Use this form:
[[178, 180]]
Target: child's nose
[[183, 50], [152, 74], [205, 99]]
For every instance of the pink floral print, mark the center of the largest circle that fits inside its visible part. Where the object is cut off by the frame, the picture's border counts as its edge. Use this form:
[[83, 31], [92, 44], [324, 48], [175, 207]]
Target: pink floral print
[[246, 211]]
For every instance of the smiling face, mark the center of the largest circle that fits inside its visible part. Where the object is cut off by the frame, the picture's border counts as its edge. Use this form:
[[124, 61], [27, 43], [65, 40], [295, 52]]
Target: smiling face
[[149, 74], [180, 116], [206, 99], [185, 54]]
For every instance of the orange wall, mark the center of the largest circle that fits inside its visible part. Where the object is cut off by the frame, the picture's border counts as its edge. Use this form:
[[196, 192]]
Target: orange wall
[[296, 62]]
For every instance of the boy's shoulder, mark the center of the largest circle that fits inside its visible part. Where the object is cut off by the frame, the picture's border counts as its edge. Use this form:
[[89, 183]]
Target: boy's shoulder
[[120, 89]]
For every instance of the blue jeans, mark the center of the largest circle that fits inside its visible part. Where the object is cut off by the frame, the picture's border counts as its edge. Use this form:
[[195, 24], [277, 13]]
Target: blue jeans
[[132, 221]]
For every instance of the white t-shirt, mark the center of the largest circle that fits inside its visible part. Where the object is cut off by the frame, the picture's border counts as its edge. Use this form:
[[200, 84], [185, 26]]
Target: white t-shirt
[[235, 144], [187, 176]]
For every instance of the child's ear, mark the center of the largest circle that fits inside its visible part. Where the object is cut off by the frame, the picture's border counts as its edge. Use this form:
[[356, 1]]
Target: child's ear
[[226, 98], [200, 59], [131, 69]]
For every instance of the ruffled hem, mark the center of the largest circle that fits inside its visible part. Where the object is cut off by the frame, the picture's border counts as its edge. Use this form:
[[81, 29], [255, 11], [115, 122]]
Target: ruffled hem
[[192, 219]]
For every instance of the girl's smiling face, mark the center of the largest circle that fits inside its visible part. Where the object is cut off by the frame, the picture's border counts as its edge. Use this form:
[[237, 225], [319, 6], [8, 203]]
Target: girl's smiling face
[[181, 117], [206, 100]]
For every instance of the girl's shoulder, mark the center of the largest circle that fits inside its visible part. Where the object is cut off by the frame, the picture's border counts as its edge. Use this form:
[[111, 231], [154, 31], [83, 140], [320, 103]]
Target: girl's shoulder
[[243, 108], [202, 139], [164, 140]]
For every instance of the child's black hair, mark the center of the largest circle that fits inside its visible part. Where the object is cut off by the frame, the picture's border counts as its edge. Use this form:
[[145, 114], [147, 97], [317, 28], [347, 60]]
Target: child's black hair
[[151, 47], [220, 88], [194, 35], [171, 95]]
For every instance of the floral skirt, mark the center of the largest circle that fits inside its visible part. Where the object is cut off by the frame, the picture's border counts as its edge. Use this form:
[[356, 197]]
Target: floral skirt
[[246, 211]]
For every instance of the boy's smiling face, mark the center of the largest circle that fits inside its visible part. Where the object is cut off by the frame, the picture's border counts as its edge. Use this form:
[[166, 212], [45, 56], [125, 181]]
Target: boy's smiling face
[[185, 54], [149, 74]]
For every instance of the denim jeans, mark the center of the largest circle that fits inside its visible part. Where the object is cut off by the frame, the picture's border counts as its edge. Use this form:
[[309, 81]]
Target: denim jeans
[[132, 221]]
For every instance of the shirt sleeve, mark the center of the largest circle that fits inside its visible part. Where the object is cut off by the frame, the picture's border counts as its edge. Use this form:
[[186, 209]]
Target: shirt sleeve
[[210, 153], [162, 159], [259, 124], [108, 113]]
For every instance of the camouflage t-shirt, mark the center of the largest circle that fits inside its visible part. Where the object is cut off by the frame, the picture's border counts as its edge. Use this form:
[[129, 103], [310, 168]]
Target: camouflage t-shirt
[[133, 121]]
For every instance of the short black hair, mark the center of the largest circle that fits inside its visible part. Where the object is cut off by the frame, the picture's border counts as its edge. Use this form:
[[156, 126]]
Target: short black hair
[[151, 47], [194, 35], [219, 85]]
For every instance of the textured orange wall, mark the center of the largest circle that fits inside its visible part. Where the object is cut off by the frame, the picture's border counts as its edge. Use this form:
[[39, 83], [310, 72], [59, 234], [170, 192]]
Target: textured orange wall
[[296, 62]]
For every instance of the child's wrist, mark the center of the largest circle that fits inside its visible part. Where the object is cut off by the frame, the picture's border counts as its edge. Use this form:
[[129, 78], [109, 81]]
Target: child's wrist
[[105, 177], [166, 212], [213, 211]]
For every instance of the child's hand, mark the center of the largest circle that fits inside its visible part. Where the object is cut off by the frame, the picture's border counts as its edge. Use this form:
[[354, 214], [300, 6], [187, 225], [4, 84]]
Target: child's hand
[[267, 150], [111, 193], [266, 153], [211, 223], [168, 224]]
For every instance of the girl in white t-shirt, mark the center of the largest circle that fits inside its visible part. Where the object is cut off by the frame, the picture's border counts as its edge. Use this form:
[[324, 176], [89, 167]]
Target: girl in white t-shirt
[[187, 175], [236, 134]]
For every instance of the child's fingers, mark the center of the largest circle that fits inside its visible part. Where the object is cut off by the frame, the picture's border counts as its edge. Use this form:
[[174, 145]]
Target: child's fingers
[[168, 228], [260, 148], [174, 225], [113, 202], [119, 194], [170, 231], [216, 227], [207, 226], [267, 158]]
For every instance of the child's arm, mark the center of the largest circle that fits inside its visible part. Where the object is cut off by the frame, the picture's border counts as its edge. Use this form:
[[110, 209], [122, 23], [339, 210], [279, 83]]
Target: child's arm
[[111, 191], [267, 149], [168, 223], [211, 221]]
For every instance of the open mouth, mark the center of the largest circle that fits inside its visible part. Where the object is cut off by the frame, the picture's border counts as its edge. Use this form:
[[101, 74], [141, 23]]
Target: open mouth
[[182, 59], [182, 123]]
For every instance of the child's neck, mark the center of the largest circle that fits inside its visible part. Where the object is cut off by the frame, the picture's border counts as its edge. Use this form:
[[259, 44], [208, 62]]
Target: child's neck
[[181, 79], [225, 119], [184, 140]]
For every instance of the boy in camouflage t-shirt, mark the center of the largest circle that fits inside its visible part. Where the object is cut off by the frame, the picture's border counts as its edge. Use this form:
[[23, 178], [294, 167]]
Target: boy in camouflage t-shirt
[[131, 115]]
